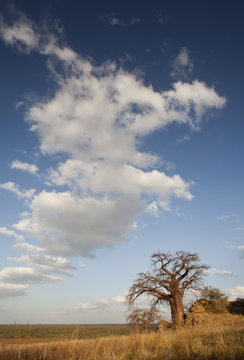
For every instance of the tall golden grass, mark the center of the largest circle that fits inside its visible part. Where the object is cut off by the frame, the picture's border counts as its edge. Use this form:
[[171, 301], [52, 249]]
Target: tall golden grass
[[219, 341]]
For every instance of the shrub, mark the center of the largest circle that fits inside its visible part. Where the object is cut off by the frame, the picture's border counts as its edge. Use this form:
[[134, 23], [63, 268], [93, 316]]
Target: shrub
[[215, 300]]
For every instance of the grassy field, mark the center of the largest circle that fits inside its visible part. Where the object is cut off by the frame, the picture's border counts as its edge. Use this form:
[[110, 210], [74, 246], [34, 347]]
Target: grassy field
[[36, 331], [223, 340]]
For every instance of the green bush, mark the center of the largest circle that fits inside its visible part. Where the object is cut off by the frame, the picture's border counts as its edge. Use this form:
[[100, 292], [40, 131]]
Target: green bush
[[215, 300], [236, 306]]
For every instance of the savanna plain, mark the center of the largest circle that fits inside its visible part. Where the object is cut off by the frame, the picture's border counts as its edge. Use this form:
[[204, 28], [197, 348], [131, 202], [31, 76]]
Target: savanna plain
[[222, 339]]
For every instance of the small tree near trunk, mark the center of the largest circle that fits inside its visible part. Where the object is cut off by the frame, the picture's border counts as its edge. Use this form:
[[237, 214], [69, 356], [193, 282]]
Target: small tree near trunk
[[171, 276], [138, 317]]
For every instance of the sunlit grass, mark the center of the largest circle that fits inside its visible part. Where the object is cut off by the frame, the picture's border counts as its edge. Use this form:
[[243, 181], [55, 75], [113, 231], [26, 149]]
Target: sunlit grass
[[222, 341]]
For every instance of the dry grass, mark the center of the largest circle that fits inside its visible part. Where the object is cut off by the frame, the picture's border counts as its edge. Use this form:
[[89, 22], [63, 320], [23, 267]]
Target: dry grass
[[223, 340]]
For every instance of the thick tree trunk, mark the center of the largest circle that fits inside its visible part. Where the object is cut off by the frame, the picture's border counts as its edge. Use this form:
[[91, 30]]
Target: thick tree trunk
[[177, 310]]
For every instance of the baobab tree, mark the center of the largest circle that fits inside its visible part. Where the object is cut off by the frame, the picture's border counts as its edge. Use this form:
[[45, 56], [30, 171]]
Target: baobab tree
[[171, 276]]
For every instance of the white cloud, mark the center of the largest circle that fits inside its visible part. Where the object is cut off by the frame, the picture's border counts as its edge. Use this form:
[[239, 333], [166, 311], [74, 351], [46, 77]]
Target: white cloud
[[70, 225], [194, 96], [46, 263], [19, 104], [29, 247], [25, 275], [10, 290], [182, 65], [101, 177], [236, 292], [183, 139], [152, 209], [119, 299], [22, 194], [28, 36], [30, 168], [21, 33], [97, 118], [99, 304], [214, 271], [10, 233]]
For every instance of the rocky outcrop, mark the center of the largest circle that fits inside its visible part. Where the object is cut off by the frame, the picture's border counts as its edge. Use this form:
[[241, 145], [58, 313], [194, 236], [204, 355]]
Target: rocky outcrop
[[163, 325], [201, 312], [197, 313], [198, 318]]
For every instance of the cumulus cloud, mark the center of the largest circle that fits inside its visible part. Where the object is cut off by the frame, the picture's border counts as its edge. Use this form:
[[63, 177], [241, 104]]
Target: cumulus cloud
[[182, 65], [102, 177], [10, 233], [214, 271], [30, 168], [12, 187], [236, 292], [97, 118], [71, 225], [10, 290]]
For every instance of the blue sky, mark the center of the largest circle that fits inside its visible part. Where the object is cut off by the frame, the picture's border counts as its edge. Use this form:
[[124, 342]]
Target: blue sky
[[121, 135]]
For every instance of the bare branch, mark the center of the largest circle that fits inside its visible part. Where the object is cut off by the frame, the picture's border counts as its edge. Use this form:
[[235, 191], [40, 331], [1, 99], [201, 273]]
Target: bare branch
[[171, 276]]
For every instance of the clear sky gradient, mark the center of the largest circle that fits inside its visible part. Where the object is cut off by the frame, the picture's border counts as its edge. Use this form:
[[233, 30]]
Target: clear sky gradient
[[121, 135]]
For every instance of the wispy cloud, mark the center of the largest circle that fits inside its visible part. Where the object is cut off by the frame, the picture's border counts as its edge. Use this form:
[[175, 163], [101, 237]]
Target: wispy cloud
[[183, 139], [214, 271], [182, 65], [25, 276], [29, 247], [47, 263], [99, 304], [10, 233], [152, 209], [240, 228], [14, 188], [135, 20], [112, 20], [163, 19], [21, 33], [30, 168], [225, 217]]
